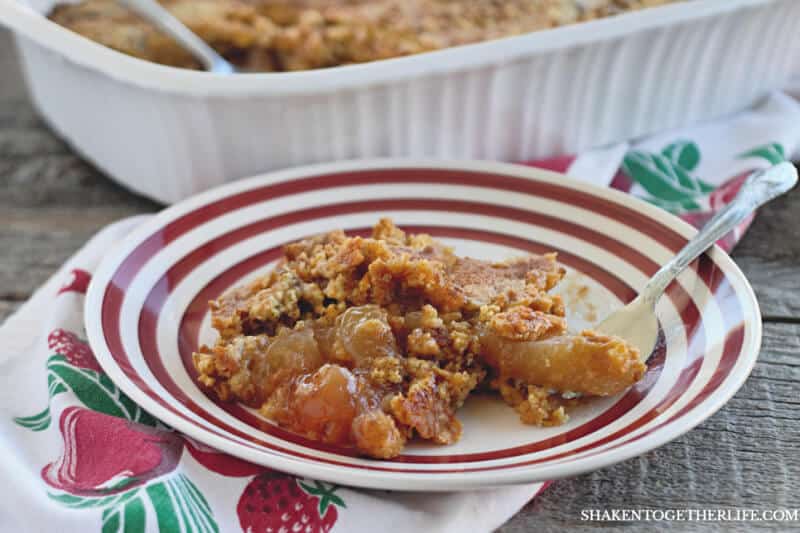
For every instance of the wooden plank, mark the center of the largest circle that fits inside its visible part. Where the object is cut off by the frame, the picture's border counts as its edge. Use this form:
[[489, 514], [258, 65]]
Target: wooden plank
[[742, 457], [775, 234], [40, 240], [776, 284], [768, 255], [11, 84]]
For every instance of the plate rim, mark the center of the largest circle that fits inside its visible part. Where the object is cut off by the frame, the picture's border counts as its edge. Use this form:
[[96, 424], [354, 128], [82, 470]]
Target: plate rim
[[400, 480]]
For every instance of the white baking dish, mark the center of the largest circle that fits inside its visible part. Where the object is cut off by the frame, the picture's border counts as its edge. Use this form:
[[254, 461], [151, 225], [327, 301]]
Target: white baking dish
[[168, 133]]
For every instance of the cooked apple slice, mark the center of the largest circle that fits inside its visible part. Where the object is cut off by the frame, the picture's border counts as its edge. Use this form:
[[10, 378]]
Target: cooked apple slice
[[589, 363]]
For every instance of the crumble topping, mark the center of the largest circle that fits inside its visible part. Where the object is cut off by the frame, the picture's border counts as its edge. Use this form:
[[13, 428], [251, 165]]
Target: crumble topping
[[372, 341], [285, 35]]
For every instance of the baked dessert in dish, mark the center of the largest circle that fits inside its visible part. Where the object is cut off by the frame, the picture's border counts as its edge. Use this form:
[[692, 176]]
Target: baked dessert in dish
[[283, 35], [368, 342]]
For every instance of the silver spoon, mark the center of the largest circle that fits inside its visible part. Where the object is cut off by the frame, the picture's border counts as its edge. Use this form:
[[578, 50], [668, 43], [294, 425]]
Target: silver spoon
[[637, 322], [169, 24]]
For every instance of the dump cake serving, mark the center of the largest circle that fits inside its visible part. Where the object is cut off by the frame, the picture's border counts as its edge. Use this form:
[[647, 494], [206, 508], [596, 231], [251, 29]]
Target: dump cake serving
[[281, 35], [370, 342]]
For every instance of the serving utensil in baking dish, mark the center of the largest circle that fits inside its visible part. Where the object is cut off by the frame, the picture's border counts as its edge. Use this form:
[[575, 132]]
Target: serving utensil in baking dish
[[171, 25], [637, 322]]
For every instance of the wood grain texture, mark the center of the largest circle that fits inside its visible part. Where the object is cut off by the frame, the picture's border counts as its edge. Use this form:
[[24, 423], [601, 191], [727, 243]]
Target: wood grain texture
[[51, 202], [11, 84], [745, 456], [776, 283], [770, 257], [776, 231], [42, 239]]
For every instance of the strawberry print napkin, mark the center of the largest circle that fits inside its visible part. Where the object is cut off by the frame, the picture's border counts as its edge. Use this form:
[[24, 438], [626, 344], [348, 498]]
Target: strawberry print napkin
[[83, 457]]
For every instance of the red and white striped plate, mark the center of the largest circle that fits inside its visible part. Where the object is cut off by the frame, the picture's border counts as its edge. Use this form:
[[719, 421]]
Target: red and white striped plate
[[146, 311]]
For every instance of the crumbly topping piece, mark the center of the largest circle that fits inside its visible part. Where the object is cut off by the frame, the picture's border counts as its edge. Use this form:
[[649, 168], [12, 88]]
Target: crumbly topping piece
[[279, 299], [506, 282], [536, 406], [521, 323], [427, 406], [376, 434], [233, 369]]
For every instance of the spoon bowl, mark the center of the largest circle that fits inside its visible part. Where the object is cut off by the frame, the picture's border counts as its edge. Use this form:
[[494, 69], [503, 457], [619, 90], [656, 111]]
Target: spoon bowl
[[637, 323]]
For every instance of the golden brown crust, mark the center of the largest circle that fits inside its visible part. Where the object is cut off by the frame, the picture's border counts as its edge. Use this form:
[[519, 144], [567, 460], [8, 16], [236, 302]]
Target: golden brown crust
[[521, 323], [375, 433], [535, 405], [370, 341], [273, 35], [233, 27]]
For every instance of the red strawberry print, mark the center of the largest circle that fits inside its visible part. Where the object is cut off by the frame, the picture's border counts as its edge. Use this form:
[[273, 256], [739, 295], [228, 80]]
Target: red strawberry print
[[105, 455], [278, 503], [75, 350], [78, 281], [221, 463]]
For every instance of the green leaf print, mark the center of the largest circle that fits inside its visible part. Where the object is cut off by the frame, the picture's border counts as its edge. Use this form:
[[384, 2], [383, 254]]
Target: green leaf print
[[111, 520], [773, 153], [667, 176], [166, 513], [36, 422], [180, 507], [675, 173], [94, 389], [128, 519], [134, 516], [198, 502], [684, 154], [79, 502], [656, 175], [325, 493]]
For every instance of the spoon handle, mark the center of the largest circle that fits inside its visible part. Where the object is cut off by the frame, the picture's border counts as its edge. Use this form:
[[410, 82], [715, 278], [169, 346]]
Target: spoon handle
[[759, 188], [169, 24]]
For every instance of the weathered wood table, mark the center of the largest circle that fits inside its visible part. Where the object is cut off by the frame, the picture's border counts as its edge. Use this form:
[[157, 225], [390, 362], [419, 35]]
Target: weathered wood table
[[745, 456]]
